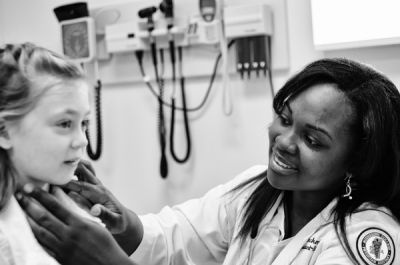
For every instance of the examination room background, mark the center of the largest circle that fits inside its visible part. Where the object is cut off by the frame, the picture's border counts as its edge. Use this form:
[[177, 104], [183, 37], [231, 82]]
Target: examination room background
[[222, 146]]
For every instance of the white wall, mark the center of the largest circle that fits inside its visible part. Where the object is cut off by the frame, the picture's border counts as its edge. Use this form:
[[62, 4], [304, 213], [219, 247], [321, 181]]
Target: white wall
[[222, 146], [2, 3]]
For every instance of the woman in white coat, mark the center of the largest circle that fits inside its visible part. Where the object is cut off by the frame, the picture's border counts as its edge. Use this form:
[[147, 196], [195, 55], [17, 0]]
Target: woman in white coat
[[330, 193]]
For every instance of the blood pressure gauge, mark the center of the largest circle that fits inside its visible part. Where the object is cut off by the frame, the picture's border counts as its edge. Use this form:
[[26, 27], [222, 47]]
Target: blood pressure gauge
[[78, 39], [208, 9]]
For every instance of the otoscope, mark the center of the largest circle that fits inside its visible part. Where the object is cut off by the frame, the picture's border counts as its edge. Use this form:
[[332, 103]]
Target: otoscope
[[167, 7], [148, 13]]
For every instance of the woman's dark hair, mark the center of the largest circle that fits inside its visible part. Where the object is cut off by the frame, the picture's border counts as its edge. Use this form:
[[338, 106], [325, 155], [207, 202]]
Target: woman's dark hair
[[375, 130]]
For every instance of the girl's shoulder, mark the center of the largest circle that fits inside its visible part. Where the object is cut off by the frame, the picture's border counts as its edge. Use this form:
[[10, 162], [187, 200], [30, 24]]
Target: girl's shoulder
[[6, 256]]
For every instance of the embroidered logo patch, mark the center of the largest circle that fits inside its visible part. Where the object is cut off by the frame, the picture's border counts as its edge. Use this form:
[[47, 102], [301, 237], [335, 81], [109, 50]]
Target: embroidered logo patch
[[375, 247]]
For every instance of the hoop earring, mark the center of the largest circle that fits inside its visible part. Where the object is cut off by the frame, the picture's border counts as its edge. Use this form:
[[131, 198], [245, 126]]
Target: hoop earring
[[348, 186]]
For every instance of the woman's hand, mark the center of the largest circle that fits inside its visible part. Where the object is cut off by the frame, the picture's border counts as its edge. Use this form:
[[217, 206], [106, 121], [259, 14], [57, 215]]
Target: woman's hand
[[121, 222], [66, 236], [90, 193]]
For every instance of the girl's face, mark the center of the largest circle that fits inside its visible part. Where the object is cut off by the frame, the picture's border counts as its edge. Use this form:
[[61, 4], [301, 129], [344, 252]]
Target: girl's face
[[310, 141], [46, 145]]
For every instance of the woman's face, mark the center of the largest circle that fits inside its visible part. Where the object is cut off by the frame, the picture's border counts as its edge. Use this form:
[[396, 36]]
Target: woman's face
[[310, 141], [47, 144]]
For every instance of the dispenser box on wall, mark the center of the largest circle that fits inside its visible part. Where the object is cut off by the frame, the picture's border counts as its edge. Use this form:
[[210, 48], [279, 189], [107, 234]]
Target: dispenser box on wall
[[247, 20]]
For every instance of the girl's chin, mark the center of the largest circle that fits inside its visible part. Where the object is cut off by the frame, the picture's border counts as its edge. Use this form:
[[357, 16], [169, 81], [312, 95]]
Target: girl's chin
[[54, 181], [62, 181]]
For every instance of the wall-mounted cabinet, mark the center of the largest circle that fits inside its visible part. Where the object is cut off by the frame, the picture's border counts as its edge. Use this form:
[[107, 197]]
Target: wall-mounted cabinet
[[339, 24]]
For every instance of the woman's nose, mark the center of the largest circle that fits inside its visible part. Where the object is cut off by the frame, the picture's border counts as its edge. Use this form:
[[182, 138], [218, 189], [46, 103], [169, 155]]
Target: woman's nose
[[286, 143]]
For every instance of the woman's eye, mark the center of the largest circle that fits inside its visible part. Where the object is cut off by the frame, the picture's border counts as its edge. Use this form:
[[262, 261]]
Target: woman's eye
[[65, 124], [284, 120], [313, 142]]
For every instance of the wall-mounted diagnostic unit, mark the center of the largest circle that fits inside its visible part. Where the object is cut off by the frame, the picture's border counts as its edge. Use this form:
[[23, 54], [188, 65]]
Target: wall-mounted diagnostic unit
[[77, 32], [78, 39], [208, 9]]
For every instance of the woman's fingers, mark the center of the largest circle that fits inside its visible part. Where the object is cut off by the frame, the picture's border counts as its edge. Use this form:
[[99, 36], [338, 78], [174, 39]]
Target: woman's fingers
[[88, 166], [87, 190], [50, 214], [66, 236], [40, 215], [85, 172], [80, 200], [44, 237], [109, 218], [45, 226]]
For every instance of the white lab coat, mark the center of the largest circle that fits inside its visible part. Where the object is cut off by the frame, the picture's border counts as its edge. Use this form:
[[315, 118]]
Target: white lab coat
[[204, 231]]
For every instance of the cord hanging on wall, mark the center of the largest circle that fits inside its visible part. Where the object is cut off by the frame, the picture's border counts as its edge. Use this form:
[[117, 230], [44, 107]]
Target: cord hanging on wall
[[185, 117], [95, 154], [148, 14]]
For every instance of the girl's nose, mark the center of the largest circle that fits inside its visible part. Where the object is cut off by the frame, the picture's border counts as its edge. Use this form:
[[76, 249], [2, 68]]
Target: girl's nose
[[80, 140]]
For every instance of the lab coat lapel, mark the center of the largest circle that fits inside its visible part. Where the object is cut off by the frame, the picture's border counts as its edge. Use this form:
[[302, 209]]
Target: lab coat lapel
[[289, 253], [235, 252]]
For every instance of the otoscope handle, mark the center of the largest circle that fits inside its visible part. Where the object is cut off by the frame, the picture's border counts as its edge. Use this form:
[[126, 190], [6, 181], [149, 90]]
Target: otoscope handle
[[163, 167], [154, 57]]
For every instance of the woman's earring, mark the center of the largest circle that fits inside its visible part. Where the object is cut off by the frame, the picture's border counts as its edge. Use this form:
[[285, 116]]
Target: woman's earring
[[348, 186]]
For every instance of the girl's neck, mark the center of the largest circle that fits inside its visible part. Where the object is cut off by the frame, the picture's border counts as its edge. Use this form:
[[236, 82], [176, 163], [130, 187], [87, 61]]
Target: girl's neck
[[21, 181]]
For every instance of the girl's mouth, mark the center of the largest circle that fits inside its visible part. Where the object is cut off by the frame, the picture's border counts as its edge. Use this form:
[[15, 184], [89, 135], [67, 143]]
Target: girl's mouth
[[72, 162]]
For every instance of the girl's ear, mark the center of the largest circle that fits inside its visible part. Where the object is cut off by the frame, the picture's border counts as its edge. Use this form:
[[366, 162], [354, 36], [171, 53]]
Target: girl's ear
[[5, 141]]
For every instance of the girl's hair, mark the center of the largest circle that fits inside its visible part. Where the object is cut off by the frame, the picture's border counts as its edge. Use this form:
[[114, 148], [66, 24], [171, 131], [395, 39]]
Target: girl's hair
[[375, 163], [26, 72]]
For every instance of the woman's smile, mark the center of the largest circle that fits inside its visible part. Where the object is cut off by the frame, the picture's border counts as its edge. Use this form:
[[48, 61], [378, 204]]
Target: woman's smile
[[281, 165]]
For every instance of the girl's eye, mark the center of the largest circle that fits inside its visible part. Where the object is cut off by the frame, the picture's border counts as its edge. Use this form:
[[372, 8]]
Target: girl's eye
[[65, 124]]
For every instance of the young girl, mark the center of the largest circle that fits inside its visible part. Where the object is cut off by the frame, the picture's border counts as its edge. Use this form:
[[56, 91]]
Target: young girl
[[44, 112]]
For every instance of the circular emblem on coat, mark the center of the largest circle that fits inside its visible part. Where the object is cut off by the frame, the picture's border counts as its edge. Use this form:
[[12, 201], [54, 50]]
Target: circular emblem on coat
[[375, 247]]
